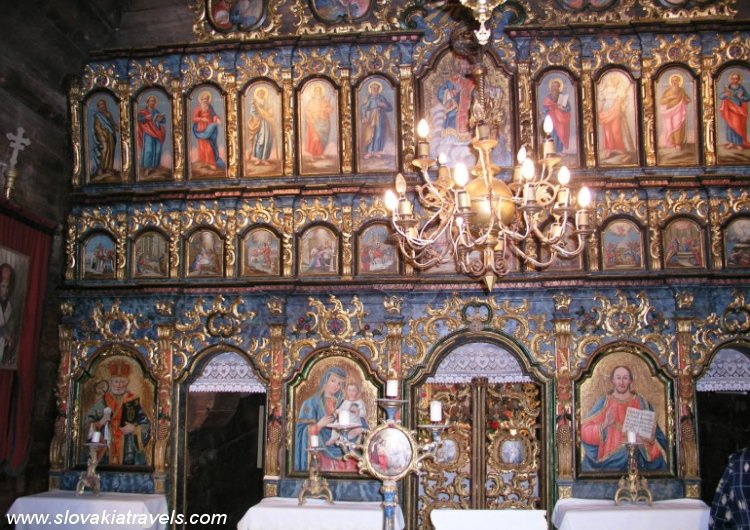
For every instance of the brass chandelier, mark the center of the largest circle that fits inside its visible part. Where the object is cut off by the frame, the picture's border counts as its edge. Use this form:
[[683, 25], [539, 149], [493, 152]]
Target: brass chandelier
[[484, 220]]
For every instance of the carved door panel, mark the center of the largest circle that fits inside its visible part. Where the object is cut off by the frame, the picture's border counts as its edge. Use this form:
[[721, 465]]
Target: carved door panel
[[491, 455]]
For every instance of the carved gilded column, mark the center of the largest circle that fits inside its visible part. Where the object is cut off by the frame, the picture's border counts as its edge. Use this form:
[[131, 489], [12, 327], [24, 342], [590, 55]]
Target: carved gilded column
[[233, 137], [394, 322], [685, 409], [478, 443], [649, 112], [406, 92], [717, 241], [121, 229], [274, 445], [346, 121], [58, 448], [163, 372], [71, 245], [592, 249], [525, 107], [178, 112], [654, 234], [587, 89], [74, 98], [175, 223], [288, 98], [231, 248], [563, 390], [347, 253], [123, 92], [709, 116], [288, 241]]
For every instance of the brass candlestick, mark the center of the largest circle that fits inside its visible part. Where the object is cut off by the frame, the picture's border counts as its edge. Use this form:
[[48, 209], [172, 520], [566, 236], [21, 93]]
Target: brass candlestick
[[633, 488], [316, 486], [90, 479]]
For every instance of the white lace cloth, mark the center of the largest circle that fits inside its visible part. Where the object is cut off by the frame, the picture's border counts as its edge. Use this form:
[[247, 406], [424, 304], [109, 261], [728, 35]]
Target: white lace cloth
[[228, 372], [479, 359], [729, 371]]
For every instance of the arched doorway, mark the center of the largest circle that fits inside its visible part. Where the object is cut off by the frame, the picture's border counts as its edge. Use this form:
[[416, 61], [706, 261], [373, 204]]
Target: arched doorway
[[493, 454], [723, 401], [224, 437]]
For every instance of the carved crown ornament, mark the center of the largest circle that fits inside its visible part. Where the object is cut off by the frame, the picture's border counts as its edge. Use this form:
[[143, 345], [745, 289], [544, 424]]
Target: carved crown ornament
[[218, 321], [732, 324], [111, 327], [477, 314], [333, 324], [617, 319]]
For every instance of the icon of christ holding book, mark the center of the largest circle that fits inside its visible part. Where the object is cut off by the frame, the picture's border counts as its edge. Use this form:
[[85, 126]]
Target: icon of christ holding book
[[603, 431]]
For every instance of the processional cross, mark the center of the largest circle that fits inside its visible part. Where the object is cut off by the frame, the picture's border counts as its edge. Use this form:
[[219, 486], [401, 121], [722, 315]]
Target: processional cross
[[17, 143]]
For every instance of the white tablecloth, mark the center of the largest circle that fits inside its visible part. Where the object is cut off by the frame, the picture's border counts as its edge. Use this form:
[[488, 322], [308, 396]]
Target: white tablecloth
[[281, 513], [444, 519], [676, 514], [113, 511]]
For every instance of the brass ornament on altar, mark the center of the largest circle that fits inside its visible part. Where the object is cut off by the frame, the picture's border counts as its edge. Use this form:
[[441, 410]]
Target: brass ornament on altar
[[90, 479], [315, 487], [633, 487]]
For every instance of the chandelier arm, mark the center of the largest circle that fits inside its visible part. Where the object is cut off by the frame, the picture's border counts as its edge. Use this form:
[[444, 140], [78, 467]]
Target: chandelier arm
[[429, 184], [517, 236], [436, 234], [571, 253], [414, 257], [536, 263]]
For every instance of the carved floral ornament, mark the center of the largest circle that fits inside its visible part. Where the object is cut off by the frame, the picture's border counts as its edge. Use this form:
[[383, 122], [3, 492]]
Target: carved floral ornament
[[617, 319]]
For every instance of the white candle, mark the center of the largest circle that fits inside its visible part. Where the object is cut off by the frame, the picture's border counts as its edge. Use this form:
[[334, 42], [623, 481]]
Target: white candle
[[344, 417], [436, 411], [391, 388], [96, 437], [631, 437], [314, 440]]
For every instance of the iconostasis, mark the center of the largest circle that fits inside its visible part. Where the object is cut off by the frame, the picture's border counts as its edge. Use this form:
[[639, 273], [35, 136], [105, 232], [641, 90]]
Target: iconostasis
[[228, 198]]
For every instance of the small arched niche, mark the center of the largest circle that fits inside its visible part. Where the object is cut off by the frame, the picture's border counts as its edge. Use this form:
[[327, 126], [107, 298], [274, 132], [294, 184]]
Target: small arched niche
[[495, 409], [723, 405], [224, 436]]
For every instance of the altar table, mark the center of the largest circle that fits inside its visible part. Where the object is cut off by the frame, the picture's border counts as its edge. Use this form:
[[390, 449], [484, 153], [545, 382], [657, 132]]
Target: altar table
[[675, 514], [110, 510], [282, 513]]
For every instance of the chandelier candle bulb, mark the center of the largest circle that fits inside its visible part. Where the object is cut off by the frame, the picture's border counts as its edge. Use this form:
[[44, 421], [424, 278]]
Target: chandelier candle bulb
[[529, 194], [391, 201], [314, 441], [436, 411], [404, 207], [518, 170], [527, 169], [96, 437], [549, 144], [582, 219], [391, 388], [345, 417], [483, 131], [443, 172], [423, 146], [549, 147], [631, 437]]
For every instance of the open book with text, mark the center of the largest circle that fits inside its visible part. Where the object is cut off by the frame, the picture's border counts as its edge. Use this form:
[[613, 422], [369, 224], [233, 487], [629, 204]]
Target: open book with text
[[641, 422]]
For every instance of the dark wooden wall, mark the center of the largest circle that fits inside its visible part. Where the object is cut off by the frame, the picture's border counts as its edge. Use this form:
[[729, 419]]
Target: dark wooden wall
[[42, 45]]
